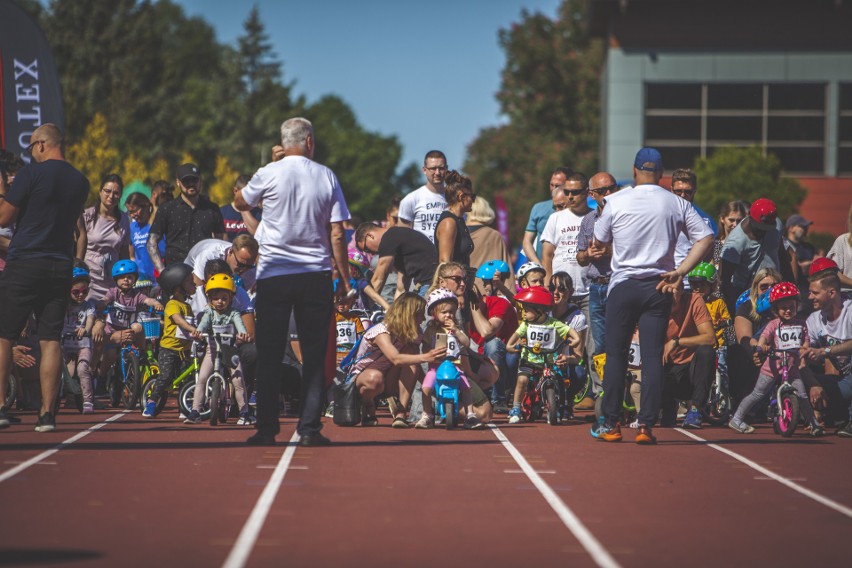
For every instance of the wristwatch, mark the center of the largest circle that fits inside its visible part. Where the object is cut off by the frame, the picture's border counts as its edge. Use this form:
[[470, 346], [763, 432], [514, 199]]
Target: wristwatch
[[677, 341], [827, 351]]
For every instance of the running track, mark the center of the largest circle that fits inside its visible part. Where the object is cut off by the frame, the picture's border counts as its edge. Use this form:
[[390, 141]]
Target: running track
[[133, 492]]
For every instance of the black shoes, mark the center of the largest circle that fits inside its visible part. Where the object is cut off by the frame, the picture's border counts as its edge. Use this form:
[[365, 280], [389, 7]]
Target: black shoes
[[261, 439], [313, 440], [46, 423]]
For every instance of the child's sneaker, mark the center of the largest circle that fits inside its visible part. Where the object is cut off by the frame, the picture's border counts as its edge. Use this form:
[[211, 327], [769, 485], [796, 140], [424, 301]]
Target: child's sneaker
[[740, 427], [329, 411], [634, 425], [246, 419], [514, 415], [252, 401], [88, 408], [817, 431], [692, 419], [846, 431], [473, 423], [150, 409], [193, 418], [425, 422]]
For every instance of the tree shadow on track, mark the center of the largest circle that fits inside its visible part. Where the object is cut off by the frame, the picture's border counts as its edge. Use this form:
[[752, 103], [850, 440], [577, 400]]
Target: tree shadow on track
[[414, 443], [25, 556]]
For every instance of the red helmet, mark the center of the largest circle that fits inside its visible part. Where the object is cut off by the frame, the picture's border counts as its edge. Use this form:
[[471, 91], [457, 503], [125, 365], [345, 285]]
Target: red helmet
[[783, 290], [823, 263], [536, 296]]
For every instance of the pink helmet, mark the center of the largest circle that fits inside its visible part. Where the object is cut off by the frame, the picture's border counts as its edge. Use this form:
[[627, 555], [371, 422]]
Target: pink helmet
[[359, 260], [439, 295]]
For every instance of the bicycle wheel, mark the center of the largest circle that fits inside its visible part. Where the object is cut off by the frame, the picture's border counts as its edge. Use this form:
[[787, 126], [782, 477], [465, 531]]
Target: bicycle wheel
[[450, 413], [214, 388], [11, 391], [585, 389], [148, 393], [788, 414], [552, 403], [132, 381]]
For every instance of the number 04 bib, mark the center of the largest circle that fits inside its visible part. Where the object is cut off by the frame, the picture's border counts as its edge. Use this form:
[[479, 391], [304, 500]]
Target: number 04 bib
[[788, 337]]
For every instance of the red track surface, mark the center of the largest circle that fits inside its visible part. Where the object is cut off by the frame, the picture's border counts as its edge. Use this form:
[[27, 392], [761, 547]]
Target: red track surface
[[143, 493]]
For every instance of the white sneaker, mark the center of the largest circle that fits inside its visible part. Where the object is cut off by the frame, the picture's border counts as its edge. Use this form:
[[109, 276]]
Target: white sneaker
[[88, 408], [425, 422]]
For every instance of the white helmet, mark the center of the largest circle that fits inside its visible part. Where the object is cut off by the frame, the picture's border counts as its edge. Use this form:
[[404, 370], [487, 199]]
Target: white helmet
[[529, 267], [439, 295]]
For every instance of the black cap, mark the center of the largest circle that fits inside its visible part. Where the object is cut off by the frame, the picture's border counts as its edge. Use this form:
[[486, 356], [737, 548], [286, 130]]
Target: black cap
[[188, 170]]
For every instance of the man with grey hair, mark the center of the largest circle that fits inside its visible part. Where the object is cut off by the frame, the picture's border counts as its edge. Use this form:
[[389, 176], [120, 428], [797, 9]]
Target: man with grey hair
[[302, 228]]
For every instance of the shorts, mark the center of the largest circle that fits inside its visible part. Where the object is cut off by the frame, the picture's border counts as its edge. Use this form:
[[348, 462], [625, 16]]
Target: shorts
[[39, 286], [529, 369]]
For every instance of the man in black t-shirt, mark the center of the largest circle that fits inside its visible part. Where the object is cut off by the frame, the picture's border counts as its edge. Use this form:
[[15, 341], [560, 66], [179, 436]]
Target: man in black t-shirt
[[407, 251], [184, 221], [45, 201]]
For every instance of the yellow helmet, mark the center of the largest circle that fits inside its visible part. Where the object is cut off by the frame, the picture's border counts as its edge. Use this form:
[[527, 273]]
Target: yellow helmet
[[220, 282]]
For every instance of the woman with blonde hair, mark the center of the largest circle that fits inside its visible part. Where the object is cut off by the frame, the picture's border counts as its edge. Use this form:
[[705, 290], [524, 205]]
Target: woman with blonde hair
[[389, 358], [488, 243]]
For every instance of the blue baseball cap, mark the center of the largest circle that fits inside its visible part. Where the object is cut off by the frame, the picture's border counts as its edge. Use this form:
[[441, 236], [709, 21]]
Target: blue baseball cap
[[648, 160]]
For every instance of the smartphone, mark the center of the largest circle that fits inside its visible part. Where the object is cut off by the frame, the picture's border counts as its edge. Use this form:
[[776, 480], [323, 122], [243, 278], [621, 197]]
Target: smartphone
[[440, 340]]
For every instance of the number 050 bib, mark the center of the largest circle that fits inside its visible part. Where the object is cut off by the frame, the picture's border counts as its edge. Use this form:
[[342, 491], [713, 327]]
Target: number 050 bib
[[542, 335]]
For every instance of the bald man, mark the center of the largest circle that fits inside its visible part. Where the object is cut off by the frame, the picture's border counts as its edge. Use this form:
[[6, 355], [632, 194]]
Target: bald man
[[45, 202]]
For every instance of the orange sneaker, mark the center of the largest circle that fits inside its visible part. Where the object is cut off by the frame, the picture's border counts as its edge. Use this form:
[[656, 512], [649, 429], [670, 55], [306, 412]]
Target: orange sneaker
[[644, 436], [607, 434]]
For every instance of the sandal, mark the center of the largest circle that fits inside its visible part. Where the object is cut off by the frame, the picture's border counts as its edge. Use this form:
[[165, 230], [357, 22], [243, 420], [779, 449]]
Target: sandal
[[399, 422]]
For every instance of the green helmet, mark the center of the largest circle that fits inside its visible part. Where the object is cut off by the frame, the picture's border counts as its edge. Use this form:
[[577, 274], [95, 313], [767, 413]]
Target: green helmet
[[705, 272]]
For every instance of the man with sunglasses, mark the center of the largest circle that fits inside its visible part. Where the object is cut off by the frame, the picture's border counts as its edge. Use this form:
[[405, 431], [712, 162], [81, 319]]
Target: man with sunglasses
[[45, 202], [184, 221], [241, 256], [539, 215], [420, 209], [597, 260], [684, 185]]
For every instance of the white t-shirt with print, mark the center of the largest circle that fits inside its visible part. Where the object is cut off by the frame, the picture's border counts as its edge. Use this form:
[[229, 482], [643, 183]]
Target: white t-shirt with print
[[643, 224], [562, 230], [824, 333], [422, 208], [214, 249], [300, 199]]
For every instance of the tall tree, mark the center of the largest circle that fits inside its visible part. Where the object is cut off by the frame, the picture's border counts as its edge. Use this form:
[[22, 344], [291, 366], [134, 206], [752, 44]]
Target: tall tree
[[550, 95], [731, 174]]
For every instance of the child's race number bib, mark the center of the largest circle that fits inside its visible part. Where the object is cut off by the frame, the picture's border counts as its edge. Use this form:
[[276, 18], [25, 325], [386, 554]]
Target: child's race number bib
[[634, 356], [543, 336], [180, 333], [121, 316], [346, 333], [453, 349], [789, 337], [75, 344]]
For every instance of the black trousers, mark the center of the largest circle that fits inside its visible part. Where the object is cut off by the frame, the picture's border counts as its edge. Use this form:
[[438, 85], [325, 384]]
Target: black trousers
[[689, 381], [633, 302], [309, 297]]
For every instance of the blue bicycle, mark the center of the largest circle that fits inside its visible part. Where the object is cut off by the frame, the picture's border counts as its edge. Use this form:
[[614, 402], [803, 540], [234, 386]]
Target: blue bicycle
[[447, 388]]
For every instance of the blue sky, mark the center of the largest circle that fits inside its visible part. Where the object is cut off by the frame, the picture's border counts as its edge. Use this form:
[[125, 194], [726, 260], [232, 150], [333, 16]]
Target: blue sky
[[426, 72]]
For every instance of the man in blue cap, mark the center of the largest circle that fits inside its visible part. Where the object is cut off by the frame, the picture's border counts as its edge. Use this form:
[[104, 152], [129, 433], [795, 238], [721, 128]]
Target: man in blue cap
[[643, 224]]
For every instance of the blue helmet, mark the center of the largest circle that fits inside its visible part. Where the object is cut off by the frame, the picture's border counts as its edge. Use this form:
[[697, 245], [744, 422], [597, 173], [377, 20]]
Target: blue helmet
[[487, 270], [123, 267], [763, 305], [80, 273]]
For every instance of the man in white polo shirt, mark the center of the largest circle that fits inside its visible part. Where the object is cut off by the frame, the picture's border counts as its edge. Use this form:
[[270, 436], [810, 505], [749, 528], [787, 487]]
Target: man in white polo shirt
[[420, 209], [302, 227], [643, 224]]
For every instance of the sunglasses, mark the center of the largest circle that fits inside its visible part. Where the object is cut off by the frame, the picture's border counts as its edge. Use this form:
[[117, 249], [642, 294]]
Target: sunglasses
[[683, 192], [244, 266], [456, 279], [553, 289], [602, 190]]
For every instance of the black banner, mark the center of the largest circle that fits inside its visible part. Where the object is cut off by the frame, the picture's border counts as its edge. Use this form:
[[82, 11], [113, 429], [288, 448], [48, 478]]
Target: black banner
[[30, 94]]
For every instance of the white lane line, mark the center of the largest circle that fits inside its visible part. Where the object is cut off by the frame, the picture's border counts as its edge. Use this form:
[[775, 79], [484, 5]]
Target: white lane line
[[239, 555], [842, 509], [540, 471], [598, 553], [47, 453]]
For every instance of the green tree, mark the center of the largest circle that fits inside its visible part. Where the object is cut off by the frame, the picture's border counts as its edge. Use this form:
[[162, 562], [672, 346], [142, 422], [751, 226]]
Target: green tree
[[550, 95], [732, 173]]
